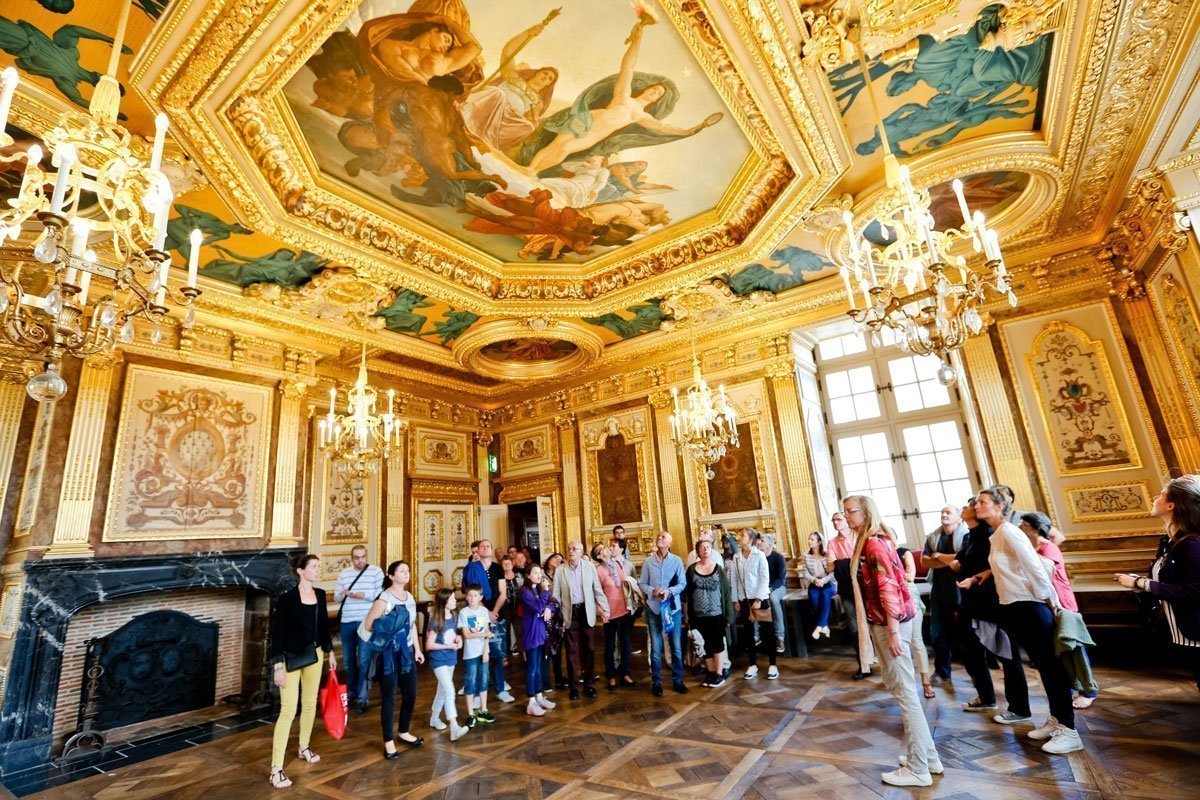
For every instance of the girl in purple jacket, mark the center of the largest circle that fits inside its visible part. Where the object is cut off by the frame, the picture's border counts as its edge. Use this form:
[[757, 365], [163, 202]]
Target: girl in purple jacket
[[535, 612]]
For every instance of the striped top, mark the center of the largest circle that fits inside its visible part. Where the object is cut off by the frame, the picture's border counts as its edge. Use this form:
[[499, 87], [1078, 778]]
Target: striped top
[[1177, 636]]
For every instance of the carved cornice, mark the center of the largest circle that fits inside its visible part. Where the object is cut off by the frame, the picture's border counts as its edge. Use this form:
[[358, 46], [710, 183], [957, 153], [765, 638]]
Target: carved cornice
[[432, 489], [528, 488]]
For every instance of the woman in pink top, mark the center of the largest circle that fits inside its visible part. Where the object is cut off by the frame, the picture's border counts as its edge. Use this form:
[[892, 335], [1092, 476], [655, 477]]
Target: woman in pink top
[[618, 629]]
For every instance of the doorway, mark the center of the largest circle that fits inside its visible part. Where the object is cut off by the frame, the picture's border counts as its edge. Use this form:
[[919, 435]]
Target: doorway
[[523, 528]]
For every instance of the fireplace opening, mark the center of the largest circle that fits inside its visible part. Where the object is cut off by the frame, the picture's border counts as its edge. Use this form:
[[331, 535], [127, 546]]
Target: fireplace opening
[[156, 665]]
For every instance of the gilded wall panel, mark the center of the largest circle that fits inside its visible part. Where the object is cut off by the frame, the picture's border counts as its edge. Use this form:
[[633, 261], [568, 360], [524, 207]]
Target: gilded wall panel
[[1093, 442], [619, 475], [440, 453], [529, 451], [443, 533], [344, 511], [1172, 296], [191, 458]]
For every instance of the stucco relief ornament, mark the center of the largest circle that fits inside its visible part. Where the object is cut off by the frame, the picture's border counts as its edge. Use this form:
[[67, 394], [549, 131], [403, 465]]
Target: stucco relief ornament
[[337, 294]]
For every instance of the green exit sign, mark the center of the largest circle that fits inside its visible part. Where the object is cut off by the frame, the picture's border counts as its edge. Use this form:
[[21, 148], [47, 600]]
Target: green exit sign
[[493, 464]]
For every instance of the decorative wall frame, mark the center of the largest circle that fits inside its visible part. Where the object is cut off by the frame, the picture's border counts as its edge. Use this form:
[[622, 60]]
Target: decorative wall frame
[[10, 610], [1093, 324], [436, 559], [753, 409], [634, 426], [529, 451], [1173, 299], [1103, 501], [1078, 403], [441, 453], [190, 458], [343, 513]]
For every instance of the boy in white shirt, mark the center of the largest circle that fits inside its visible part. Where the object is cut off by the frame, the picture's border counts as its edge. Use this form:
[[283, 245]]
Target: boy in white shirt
[[473, 625]]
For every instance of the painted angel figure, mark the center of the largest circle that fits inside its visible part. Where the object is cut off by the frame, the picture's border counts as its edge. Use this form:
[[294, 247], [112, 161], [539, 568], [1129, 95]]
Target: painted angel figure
[[622, 111]]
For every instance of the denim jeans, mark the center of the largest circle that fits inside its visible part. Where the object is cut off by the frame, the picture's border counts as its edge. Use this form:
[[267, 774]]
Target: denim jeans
[[533, 671], [654, 627], [350, 642], [499, 649], [777, 611], [618, 635], [475, 676], [365, 657], [821, 597]]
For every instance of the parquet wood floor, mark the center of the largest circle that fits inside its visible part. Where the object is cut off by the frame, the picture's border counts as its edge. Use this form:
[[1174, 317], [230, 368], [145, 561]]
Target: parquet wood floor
[[811, 734]]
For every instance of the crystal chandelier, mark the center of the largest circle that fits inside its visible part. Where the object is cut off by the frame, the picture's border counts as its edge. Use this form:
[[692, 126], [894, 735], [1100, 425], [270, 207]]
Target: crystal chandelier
[[705, 424], [358, 441], [911, 284], [81, 275]]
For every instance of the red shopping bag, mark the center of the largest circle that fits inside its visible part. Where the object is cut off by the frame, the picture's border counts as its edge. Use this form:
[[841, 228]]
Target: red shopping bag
[[335, 707]]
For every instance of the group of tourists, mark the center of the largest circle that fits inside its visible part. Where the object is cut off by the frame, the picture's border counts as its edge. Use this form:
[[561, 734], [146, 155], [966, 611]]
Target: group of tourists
[[997, 586]]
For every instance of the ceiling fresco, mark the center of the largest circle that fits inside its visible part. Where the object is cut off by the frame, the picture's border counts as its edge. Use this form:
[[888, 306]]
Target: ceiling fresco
[[545, 131], [614, 146]]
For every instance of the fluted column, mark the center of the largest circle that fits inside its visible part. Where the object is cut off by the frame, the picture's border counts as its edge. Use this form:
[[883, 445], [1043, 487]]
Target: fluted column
[[668, 473], [72, 526], [291, 418], [569, 454], [794, 444], [394, 505], [1172, 404], [12, 401], [999, 415]]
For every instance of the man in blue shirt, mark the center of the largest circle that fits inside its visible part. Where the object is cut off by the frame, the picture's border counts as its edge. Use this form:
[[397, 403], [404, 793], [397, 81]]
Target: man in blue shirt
[[662, 581]]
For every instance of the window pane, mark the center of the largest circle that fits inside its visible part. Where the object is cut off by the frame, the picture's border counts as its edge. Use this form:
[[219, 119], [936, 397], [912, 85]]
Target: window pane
[[924, 467], [830, 348], [902, 371], [927, 367], [888, 501], [916, 440], [934, 394], [951, 464], [866, 406], [843, 411], [930, 496], [850, 450], [880, 474], [931, 520], [855, 477], [853, 343], [862, 380], [957, 492], [837, 384], [908, 398], [875, 446], [945, 435]]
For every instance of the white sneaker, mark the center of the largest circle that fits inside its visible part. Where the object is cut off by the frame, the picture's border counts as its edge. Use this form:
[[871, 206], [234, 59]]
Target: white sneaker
[[825, 630], [505, 697], [816, 634], [1045, 730], [507, 686], [772, 672], [902, 777], [461, 690], [752, 672], [935, 766], [437, 724], [546, 704], [1065, 740], [534, 710], [457, 731]]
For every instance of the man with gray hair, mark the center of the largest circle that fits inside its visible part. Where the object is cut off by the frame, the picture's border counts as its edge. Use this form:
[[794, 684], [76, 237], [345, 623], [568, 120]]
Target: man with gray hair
[[584, 605], [663, 581], [941, 548], [357, 587]]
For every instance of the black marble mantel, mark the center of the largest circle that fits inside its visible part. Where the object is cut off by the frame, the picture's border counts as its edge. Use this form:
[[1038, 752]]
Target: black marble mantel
[[57, 589]]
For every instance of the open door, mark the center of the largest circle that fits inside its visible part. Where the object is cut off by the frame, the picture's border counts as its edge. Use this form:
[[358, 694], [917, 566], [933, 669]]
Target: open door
[[545, 516], [493, 523]]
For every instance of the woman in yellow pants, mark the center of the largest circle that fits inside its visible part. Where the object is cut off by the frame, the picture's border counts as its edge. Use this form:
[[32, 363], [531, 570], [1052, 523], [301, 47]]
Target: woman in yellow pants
[[299, 630]]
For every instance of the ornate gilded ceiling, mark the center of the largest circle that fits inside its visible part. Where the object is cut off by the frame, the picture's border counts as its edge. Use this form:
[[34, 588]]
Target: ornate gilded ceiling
[[494, 195]]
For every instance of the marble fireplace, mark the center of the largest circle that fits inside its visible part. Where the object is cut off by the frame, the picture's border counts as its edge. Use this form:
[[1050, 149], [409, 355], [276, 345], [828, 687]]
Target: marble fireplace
[[155, 624]]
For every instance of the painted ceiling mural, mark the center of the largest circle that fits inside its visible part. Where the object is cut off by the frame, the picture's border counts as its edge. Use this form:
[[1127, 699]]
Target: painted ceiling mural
[[543, 131]]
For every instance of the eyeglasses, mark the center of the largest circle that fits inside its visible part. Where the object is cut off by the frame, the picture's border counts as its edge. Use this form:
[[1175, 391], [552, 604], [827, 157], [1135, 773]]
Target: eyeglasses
[[853, 510]]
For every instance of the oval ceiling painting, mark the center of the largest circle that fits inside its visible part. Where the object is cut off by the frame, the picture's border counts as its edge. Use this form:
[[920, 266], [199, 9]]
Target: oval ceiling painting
[[535, 131]]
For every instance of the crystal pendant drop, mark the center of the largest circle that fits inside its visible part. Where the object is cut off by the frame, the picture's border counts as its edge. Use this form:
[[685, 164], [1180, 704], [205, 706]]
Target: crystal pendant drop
[[53, 302], [108, 315], [48, 386], [946, 374], [189, 319], [156, 335], [1012, 299], [128, 333], [46, 250], [155, 285]]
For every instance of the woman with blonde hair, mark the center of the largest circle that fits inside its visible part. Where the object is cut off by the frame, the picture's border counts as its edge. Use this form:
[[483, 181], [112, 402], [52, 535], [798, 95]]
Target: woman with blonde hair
[[885, 609]]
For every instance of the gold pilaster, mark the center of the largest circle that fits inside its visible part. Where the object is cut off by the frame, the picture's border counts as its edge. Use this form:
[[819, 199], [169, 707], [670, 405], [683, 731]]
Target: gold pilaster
[[291, 414], [394, 505], [483, 440], [31, 487], [999, 420], [668, 471], [72, 526], [974, 425], [804, 512], [12, 401], [568, 452], [1171, 401]]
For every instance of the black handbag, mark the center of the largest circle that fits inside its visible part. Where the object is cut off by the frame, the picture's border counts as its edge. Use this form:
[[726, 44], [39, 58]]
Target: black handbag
[[295, 661]]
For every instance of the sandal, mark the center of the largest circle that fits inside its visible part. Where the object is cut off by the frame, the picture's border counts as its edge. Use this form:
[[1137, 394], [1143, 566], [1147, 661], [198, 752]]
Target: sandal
[[278, 779], [308, 755], [929, 692]]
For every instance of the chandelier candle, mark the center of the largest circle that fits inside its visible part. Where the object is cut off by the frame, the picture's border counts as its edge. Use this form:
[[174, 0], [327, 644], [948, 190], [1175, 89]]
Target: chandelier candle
[[65, 158], [160, 139], [197, 238], [8, 85]]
